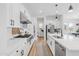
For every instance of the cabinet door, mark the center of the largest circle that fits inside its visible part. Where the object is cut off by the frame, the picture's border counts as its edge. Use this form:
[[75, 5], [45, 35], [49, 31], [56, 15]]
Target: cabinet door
[[10, 10], [16, 15], [10, 14], [13, 15], [51, 44], [15, 53], [25, 48], [48, 41]]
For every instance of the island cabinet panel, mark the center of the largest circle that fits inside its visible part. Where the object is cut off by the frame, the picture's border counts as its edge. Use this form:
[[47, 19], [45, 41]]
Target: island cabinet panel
[[72, 52], [64, 46], [51, 44]]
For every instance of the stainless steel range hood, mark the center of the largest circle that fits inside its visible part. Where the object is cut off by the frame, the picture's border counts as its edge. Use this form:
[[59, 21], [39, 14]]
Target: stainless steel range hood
[[24, 19]]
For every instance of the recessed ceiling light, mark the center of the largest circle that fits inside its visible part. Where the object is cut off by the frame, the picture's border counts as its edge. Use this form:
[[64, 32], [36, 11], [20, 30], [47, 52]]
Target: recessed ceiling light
[[71, 24], [40, 11]]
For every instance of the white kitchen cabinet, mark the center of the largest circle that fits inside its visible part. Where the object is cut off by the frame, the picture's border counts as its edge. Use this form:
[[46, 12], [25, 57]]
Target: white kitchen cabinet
[[24, 48], [16, 52], [17, 47], [56, 48], [16, 15], [14, 11], [21, 48], [51, 44], [13, 15]]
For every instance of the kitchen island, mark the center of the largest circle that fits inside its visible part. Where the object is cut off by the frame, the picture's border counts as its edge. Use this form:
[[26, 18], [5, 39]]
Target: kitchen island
[[68, 45]]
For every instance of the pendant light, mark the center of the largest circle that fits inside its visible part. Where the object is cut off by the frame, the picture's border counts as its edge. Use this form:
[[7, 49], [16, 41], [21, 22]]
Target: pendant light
[[56, 17], [56, 12], [56, 5], [70, 8]]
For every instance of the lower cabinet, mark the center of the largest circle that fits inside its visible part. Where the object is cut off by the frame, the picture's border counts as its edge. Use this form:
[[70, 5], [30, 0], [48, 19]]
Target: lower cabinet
[[51, 44], [16, 53], [19, 52], [56, 48], [22, 49], [59, 50]]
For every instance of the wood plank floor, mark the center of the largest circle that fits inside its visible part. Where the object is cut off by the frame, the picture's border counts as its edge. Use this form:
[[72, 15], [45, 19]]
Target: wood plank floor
[[40, 48]]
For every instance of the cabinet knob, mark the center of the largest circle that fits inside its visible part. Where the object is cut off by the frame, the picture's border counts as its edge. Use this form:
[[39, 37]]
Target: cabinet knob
[[16, 50], [62, 49]]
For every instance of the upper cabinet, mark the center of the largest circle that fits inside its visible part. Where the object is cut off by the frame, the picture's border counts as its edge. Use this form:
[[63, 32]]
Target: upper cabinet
[[24, 19], [13, 15], [16, 13]]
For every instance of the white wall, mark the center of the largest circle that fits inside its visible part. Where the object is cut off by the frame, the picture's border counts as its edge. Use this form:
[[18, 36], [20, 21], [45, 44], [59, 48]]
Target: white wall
[[3, 31]]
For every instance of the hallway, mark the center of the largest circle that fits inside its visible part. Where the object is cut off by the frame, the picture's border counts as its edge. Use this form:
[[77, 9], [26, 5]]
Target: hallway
[[40, 48]]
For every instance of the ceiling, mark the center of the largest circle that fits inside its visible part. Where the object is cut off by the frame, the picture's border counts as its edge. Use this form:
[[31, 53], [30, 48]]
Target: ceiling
[[46, 9]]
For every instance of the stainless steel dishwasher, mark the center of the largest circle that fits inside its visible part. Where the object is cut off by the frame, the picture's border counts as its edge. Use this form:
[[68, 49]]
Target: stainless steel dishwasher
[[59, 50]]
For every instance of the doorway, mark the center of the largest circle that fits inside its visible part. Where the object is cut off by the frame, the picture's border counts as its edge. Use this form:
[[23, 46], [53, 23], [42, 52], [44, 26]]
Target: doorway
[[40, 27]]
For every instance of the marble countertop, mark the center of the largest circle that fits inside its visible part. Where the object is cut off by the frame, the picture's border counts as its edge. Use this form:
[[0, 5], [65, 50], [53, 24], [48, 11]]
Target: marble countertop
[[68, 41]]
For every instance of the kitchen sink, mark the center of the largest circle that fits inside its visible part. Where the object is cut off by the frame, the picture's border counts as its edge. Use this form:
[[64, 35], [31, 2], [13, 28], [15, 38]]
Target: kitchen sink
[[57, 37]]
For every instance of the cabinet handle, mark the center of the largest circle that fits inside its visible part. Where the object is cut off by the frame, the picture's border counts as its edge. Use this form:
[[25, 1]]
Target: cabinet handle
[[16, 50], [62, 49]]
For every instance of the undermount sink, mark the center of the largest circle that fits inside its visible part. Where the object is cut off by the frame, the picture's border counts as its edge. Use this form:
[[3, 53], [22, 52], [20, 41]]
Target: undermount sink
[[57, 37]]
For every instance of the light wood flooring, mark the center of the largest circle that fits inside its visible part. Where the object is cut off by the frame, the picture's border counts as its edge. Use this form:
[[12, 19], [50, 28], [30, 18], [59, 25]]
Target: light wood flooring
[[40, 48]]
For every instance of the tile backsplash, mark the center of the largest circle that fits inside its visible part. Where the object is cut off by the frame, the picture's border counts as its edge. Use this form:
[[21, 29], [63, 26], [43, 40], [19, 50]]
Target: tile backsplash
[[15, 31]]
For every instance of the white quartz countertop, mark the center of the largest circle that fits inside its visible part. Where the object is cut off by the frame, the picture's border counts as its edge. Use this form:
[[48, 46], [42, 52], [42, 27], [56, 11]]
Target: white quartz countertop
[[68, 41], [15, 43]]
